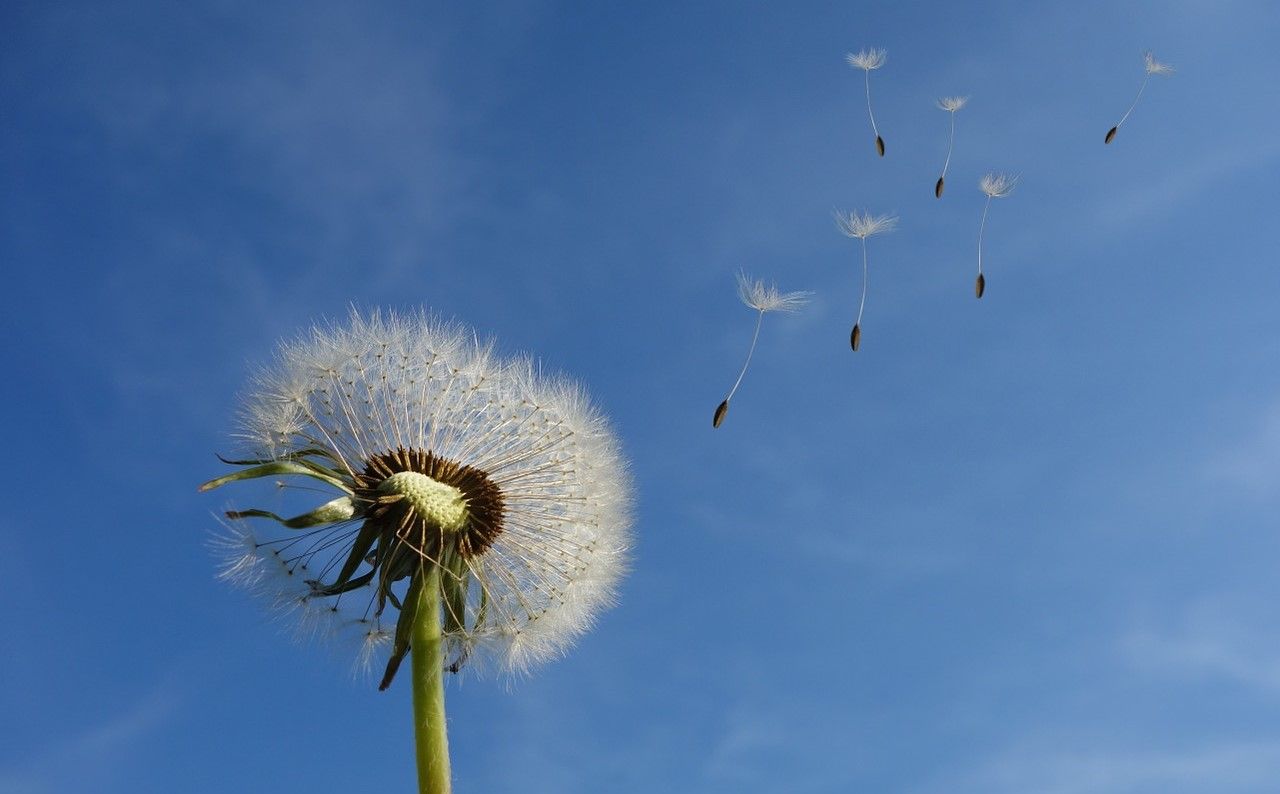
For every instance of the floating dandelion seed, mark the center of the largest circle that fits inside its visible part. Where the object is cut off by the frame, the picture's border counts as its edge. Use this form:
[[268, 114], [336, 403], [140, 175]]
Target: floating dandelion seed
[[950, 104], [486, 503], [763, 299], [1152, 67], [995, 186], [866, 60], [862, 226]]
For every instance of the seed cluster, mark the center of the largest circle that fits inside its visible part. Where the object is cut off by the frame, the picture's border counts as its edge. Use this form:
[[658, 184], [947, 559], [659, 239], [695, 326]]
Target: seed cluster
[[862, 225]]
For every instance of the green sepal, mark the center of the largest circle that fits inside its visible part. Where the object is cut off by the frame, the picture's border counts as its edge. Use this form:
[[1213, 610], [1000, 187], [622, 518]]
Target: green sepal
[[340, 509], [344, 586], [454, 584], [359, 552], [390, 552], [402, 562], [309, 452], [483, 610], [394, 599], [280, 467], [404, 630]]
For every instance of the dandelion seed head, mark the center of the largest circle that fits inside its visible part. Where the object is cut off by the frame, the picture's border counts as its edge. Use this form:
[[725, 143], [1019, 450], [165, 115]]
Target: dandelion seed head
[[440, 453], [863, 224], [766, 298], [1154, 66], [997, 185], [868, 59], [952, 103]]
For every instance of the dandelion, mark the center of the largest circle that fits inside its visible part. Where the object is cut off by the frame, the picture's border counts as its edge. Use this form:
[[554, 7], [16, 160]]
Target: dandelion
[[1152, 67], [995, 186], [862, 226], [950, 104], [763, 299], [866, 60], [476, 514]]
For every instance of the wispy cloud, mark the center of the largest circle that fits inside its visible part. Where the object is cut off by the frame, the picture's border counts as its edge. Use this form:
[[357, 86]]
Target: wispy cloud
[[89, 760], [769, 735], [1240, 767], [1182, 182], [1252, 463], [343, 129], [908, 555], [749, 741], [1227, 638]]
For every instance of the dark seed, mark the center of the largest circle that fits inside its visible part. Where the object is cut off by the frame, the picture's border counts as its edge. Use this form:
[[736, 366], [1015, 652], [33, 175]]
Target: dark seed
[[1111, 133], [980, 286], [721, 410], [856, 337], [937, 189], [880, 145]]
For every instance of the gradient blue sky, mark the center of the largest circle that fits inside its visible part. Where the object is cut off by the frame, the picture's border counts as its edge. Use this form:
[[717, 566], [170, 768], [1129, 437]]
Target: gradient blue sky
[[1027, 544]]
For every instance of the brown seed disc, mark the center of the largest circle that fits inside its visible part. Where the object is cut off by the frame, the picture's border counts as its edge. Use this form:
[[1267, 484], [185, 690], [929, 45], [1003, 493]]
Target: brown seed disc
[[980, 286], [1111, 134], [394, 518], [937, 189], [721, 410], [855, 338], [880, 145]]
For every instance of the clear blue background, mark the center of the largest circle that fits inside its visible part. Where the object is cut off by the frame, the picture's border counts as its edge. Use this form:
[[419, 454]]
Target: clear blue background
[[1027, 544]]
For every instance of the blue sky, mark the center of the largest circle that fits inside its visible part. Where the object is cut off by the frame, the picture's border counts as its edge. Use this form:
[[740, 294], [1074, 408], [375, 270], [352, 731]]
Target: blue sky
[[1026, 544]]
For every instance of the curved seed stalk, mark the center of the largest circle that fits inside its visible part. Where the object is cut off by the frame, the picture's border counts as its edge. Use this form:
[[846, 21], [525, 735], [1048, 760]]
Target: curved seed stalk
[[1111, 133], [937, 188], [856, 336], [723, 408], [981, 285], [872, 115]]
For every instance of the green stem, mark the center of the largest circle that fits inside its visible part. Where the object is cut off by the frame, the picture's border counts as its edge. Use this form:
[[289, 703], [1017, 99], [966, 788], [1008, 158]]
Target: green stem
[[430, 735]]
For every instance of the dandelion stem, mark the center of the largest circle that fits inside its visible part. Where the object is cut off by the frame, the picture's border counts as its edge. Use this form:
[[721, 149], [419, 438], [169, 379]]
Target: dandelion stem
[[863, 302], [430, 734], [750, 352], [1141, 88]]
